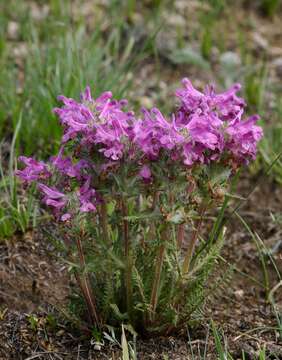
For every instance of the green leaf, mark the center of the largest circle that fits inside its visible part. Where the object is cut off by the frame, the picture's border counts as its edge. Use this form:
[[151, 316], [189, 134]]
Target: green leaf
[[219, 174], [119, 315], [130, 329], [111, 207], [124, 346], [143, 216]]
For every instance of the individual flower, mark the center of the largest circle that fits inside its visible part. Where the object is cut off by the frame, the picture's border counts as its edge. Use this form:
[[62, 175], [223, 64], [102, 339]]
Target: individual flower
[[57, 200], [74, 116], [34, 170], [193, 153], [85, 96], [87, 197], [110, 135], [228, 104], [52, 197], [112, 131], [243, 137], [201, 130], [145, 173], [65, 165], [66, 217]]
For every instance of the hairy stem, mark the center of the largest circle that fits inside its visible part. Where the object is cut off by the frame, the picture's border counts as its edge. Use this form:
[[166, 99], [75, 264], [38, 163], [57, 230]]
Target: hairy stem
[[181, 227], [84, 283], [152, 228], [180, 235], [158, 271], [104, 222], [155, 199], [193, 240], [127, 256]]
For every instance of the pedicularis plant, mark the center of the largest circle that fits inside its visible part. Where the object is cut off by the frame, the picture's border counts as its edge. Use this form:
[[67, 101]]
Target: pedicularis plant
[[129, 195]]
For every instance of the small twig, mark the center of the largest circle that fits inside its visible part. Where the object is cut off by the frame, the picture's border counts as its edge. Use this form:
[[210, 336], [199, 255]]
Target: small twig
[[259, 328], [273, 290], [78, 352]]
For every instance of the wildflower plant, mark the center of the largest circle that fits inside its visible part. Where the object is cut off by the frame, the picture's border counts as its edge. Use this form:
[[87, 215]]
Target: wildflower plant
[[130, 193]]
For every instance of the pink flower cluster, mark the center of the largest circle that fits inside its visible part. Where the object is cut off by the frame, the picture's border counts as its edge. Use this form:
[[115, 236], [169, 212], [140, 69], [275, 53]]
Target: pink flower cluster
[[98, 121], [99, 135]]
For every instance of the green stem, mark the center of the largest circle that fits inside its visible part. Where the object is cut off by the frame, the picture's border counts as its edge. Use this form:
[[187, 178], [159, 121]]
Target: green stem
[[158, 271], [127, 255], [104, 222], [152, 228]]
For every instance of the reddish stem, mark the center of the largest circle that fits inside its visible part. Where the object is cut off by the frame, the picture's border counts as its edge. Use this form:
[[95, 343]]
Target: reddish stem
[[158, 271], [192, 243], [180, 235], [84, 283]]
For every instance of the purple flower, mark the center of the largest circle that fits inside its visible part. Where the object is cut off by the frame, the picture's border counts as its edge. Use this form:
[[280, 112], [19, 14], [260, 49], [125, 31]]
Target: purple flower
[[213, 124], [34, 170], [102, 137], [113, 129], [66, 217], [100, 122], [225, 106], [193, 154], [52, 197], [228, 104], [86, 95], [66, 167], [203, 139], [201, 130], [243, 137], [111, 137], [153, 133], [191, 99], [75, 117], [145, 172], [86, 197]]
